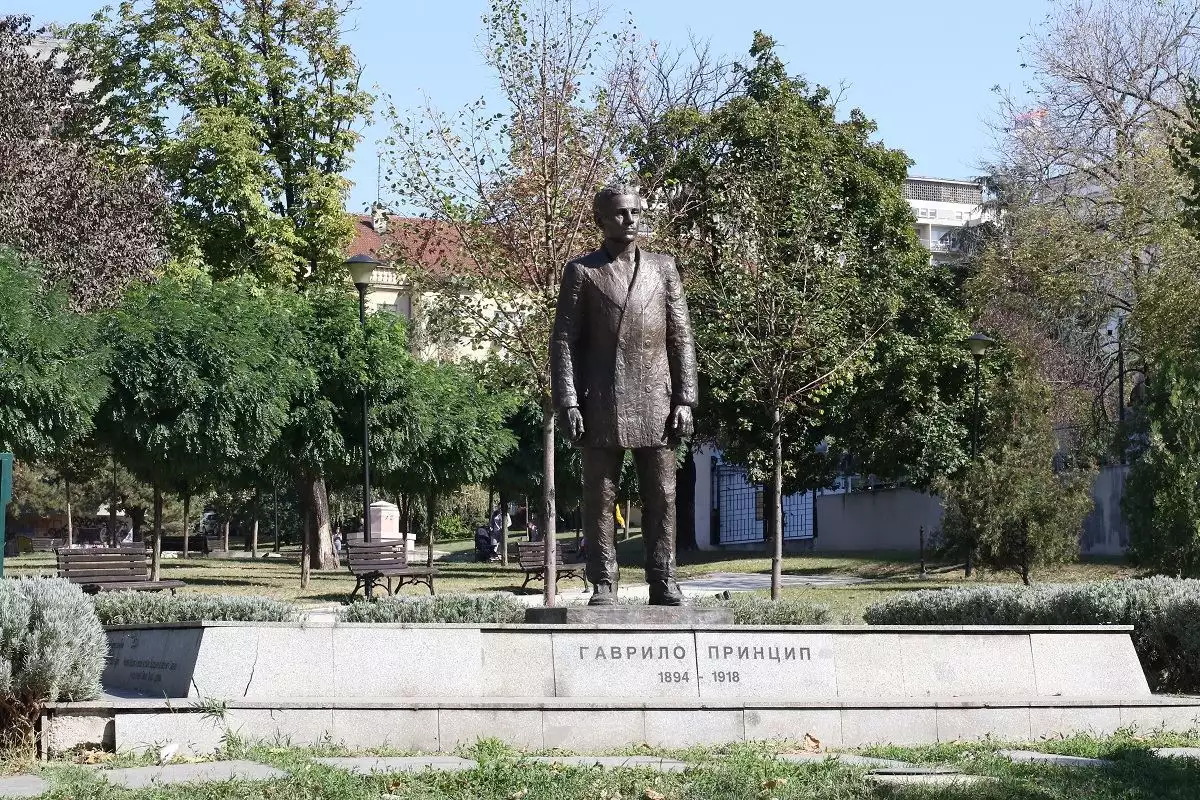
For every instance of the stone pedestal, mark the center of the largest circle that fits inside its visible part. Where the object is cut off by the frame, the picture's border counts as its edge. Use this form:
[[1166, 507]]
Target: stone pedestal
[[385, 520], [682, 616]]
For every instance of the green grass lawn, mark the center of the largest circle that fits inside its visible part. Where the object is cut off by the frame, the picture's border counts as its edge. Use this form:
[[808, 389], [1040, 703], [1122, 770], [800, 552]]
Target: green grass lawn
[[735, 772], [890, 573]]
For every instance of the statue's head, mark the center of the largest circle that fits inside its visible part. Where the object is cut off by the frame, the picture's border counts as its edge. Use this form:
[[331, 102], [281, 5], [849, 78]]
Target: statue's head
[[617, 210]]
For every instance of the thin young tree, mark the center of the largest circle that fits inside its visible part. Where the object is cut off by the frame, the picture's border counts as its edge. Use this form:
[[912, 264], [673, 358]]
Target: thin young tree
[[511, 188]]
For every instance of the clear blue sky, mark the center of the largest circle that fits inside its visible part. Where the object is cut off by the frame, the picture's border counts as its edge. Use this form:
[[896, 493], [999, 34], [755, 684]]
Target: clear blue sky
[[923, 71]]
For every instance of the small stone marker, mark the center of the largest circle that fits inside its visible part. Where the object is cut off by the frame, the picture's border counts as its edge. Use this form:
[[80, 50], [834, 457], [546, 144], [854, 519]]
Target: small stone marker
[[1177, 752], [615, 762], [367, 765], [23, 786], [1031, 757], [142, 777]]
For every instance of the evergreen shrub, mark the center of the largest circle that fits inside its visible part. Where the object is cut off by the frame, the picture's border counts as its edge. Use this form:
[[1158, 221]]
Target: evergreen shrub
[[149, 608], [1164, 613], [52, 648], [445, 608]]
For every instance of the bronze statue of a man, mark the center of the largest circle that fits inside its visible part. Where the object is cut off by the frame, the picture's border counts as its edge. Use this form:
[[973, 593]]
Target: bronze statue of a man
[[623, 363]]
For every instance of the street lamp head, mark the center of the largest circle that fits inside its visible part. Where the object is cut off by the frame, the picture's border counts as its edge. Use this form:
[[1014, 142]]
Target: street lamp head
[[979, 344], [361, 267]]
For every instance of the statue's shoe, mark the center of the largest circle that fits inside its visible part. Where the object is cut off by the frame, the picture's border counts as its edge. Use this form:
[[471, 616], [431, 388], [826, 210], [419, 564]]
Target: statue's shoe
[[604, 594], [665, 593]]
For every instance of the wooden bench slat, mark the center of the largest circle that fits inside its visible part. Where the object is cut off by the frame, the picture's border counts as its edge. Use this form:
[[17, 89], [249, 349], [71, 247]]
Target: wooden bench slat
[[110, 569]]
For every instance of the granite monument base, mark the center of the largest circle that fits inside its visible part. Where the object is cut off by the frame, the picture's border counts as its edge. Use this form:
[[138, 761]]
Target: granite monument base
[[682, 616]]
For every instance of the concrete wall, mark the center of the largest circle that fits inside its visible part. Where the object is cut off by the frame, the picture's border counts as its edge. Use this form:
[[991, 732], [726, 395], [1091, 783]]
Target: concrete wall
[[888, 519], [1104, 531]]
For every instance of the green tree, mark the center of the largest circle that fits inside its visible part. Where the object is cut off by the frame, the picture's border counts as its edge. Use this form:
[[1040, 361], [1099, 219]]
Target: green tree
[[247, 109], [52, 364], [797, 240], [320, 446], [93, 226], [1162, 492], [461, 441], [203, 379], [1012, 506]]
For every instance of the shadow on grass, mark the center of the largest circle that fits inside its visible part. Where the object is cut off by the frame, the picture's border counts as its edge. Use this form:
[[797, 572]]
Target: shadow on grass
[[1135, 775]]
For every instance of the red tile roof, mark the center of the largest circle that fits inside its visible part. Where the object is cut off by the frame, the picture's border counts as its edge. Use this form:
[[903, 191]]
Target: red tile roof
[[430, 246]]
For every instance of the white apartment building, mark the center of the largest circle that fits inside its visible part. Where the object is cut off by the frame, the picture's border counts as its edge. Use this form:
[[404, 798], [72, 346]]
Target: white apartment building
[[941, 206]]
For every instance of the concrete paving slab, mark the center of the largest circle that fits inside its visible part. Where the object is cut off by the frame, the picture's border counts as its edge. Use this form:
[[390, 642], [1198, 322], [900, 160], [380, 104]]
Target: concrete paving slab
[[367, 765], [934, 779], [210, 772], [754, 581], [23, 786], [1177, 752], [1031, 757], [615, 762]]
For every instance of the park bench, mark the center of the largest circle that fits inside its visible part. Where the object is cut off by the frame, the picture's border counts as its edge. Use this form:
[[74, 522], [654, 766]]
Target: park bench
[[374, 563], [532, 558], [110, 569]]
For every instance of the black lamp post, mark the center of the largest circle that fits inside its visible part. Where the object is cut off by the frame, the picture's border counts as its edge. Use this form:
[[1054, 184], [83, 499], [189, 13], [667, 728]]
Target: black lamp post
[[978, 344], [361, 267]]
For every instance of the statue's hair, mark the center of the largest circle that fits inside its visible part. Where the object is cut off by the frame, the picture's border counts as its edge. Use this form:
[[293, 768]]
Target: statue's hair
[[614, 190]]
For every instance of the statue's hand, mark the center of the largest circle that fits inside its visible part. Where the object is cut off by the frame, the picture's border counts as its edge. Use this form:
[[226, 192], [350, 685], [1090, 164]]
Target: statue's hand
[[574, 424], [681, 422]]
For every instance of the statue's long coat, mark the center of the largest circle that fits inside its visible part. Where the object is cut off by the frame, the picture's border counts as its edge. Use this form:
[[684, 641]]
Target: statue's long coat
[[624, 355]]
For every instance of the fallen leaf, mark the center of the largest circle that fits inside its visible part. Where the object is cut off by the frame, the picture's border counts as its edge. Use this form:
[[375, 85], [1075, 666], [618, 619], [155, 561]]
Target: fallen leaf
[[650, 794], [811, 743], [774, 783], [517, 795]]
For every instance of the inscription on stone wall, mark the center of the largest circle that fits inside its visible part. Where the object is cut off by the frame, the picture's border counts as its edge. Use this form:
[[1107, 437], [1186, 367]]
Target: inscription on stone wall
[[633, 664], [157, 662], [765, 665]]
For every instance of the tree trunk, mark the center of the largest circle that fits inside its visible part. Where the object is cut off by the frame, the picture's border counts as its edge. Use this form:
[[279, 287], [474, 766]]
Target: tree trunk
[[137, 521], [156, 554], [226, 534], [112, 507], [254, 539], [320, 546], [549, 534], [431, 503], [1025, 553], [777, 509], [275, 527], [503, 530], [187, 512], [70, 521], [305, 535], [628, 516]]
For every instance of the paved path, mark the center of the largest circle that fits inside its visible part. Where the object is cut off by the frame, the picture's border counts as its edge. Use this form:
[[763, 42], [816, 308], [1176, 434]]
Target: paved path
[[368, 765], [753, 581], [23, 786], [615, 762], [142, 777]]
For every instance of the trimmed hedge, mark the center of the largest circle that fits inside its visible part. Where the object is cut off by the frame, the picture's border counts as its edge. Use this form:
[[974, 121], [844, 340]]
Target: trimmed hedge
[[444, 608], [748, 609], [51, 648], [1164, 613], [755, 609], [148, 608]]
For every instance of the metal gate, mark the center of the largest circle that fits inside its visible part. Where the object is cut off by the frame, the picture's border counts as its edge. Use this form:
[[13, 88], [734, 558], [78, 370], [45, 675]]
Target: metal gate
[[740, 508]]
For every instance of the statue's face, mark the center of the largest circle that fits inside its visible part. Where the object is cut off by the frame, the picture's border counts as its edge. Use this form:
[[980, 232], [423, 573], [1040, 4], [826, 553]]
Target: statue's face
[[620, 217]]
